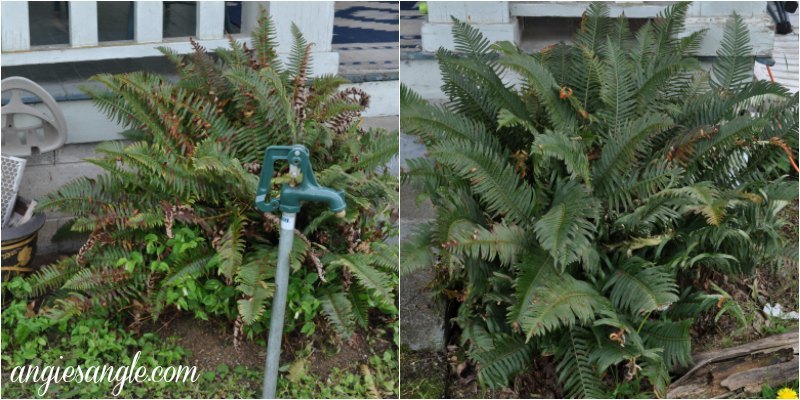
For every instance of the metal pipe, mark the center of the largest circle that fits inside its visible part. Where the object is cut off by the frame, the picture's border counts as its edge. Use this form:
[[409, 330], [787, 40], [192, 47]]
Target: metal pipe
[[278, 306]]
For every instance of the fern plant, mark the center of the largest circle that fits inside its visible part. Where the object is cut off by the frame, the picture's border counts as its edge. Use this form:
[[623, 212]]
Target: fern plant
[[580, 191], [192, 161]]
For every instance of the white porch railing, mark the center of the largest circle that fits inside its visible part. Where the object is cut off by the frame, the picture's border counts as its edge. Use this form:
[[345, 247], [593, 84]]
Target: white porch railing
[[315, 20]]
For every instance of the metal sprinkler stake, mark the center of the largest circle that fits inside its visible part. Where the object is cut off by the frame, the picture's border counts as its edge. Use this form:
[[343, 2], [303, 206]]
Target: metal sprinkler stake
[[301, 187]]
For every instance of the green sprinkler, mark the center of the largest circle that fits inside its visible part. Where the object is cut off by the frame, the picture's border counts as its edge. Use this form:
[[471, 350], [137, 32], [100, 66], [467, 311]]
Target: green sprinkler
[[302, 186]]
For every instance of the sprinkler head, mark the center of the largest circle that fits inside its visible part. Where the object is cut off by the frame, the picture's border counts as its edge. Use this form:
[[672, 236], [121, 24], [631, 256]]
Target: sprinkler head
[[341, 214]]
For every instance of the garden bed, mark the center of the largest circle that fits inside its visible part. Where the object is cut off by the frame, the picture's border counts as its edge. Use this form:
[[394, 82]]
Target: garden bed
[[774, 286]]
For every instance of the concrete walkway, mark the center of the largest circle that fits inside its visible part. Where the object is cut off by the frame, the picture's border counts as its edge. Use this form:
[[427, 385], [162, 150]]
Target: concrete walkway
[[422, 316]]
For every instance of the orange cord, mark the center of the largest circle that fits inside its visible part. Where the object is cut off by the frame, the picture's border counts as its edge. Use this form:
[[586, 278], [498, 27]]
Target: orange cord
[[780, 143]]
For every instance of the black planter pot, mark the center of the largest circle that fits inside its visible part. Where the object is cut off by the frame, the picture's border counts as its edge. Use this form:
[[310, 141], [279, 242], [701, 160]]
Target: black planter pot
[[19, 246]]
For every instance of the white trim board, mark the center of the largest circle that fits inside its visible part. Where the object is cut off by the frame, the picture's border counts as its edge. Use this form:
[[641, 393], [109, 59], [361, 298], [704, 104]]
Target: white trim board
[[322, 63]]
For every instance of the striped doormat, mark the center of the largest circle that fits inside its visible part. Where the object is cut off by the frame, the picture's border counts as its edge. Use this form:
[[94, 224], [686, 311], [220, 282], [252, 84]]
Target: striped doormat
[[366, 36]]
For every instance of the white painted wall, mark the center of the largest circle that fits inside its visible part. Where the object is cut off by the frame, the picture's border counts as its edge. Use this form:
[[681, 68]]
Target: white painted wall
[[479, 12], [148, 23], [85, 124], [492, 18], [498, 20], [314, 18], [15, 29], [84, 33], [209, 23]]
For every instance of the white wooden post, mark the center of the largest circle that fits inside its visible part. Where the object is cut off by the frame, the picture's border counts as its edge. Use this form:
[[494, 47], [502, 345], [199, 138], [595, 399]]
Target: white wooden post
[[148, 21], [250, 11], [492, 18], [315, 21], [210, 19], [314, 18], [16, 31], [82, 23]]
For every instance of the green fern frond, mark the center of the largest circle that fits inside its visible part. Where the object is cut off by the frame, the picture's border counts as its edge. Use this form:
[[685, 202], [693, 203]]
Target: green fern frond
[[734, 65], [502, 242], [568, 228], [252, 307], [620, 151], [574, 368], [673, 337], [417, 253], [539, 79], [562, 301], [369, 277], [53, 276], [536, 269], [617, 89], [570, 150], [339, 311], [495, 181], [509, 356], [230, 249], [640, 287]]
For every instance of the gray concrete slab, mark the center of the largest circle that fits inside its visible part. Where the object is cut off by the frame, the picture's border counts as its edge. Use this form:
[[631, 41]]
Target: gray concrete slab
[[410, 210], [421, 314]]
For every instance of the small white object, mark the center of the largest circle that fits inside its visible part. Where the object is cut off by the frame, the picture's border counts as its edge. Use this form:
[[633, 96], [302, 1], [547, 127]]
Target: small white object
[[287, 221], [776, 311], [294, 171], [28, 213]]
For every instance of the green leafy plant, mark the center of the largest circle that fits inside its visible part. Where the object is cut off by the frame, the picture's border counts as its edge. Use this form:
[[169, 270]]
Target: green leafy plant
[[97, 338], [581, 192], [375, 378], [94, 339], [172, 221]]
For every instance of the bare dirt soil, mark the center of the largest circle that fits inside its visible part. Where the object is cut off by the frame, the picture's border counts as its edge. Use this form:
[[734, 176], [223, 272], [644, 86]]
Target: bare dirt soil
[[211, 343]]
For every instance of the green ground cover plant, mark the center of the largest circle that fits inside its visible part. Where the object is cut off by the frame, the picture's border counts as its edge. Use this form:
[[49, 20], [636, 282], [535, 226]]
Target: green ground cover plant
[[172, 221], [98, 337], [581, 211]]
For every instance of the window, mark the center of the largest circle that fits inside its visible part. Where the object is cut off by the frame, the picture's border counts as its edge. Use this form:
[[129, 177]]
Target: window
[[114, 20], [49, 22]]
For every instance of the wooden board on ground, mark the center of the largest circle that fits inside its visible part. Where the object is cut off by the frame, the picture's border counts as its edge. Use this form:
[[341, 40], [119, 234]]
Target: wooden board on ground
[[742, 369]]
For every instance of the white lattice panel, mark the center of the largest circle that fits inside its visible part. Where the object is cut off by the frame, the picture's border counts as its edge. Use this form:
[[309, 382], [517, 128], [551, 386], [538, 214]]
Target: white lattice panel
[[12, 176]]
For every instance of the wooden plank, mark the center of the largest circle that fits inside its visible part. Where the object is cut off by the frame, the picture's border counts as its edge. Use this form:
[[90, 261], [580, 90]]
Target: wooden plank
[[83, 23], [210, 19], [752, 380], [148, 21], [720, 373], [782, 340], [16, 32]]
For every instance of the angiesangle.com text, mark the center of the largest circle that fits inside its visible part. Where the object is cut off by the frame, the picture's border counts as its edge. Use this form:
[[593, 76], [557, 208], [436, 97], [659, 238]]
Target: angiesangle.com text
[[95, 374]]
